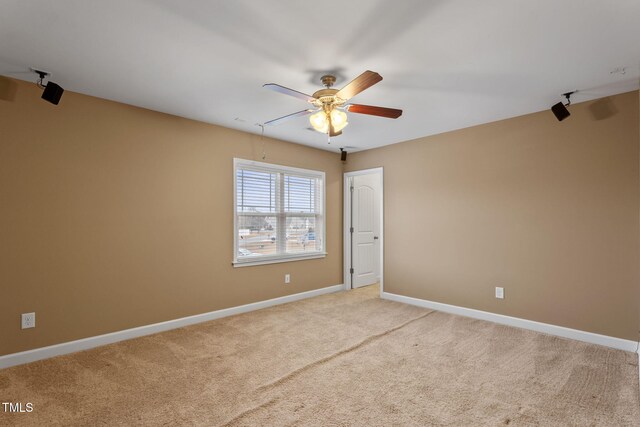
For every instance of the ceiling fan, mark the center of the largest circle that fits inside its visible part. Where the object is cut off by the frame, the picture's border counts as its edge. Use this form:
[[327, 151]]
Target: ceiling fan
[[330, 105]]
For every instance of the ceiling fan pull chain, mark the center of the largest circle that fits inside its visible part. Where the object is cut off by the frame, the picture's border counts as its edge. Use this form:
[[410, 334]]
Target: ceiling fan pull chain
[[264, 154]]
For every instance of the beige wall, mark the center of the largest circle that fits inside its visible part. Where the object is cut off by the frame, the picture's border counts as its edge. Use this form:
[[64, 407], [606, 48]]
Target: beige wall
[[108, 217], [547, 210], [112, 217]]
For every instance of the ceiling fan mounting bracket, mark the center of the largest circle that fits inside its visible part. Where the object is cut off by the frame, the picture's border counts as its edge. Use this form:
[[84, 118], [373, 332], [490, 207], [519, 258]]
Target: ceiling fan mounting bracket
[[328, 80]]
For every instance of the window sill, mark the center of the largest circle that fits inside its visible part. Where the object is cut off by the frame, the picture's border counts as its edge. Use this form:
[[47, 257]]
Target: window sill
[[279, 260]]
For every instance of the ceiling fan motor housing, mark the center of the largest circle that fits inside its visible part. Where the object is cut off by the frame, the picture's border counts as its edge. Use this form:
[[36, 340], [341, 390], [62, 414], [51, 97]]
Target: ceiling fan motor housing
[[326, 98]]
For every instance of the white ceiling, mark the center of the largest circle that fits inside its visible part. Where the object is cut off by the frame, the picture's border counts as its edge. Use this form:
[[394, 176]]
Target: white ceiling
[[448, 64]]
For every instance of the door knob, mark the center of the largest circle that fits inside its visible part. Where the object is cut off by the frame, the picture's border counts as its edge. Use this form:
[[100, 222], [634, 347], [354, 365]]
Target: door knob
[[375, 237]]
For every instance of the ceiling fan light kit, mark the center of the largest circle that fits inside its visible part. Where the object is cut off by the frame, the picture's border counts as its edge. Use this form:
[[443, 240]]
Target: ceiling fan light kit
[[336, 120], [329, 115]]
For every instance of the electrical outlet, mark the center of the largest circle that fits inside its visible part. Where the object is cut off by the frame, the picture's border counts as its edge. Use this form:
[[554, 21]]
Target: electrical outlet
[[287, 278], [499, 293], [28, 320]]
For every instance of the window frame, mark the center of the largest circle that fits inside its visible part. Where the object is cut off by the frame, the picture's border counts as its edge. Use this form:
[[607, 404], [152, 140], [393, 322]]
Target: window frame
[[239, 163]]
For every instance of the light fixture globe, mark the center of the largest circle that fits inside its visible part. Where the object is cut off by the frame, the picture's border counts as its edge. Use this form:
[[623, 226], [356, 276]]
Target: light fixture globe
[[338, 119], [319, 121]]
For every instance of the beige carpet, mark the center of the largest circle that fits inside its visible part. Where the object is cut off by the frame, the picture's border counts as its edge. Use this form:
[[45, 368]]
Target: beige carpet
[[337, 360]]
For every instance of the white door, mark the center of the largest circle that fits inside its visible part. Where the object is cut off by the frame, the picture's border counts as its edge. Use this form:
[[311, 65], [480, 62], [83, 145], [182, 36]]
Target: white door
[[366, 229]]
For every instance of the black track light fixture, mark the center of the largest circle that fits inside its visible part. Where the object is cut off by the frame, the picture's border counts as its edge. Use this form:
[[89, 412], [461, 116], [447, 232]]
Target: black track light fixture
[[52, 91], [343, 155], [560, 110]]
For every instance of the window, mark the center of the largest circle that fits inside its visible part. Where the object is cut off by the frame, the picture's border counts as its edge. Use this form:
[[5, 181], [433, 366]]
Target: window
[[279, 213]]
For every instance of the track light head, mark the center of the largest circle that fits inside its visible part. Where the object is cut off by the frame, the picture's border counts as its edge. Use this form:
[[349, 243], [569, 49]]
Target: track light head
[[343, 155], [560, 110], [52, 91]]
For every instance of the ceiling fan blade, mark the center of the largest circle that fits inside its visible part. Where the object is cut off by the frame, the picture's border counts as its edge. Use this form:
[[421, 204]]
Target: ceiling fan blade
[[390, 113], [288, 116], [290, 92], [357, 85]]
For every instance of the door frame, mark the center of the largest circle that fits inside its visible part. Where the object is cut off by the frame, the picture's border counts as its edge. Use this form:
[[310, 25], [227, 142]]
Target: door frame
[[347, 224]]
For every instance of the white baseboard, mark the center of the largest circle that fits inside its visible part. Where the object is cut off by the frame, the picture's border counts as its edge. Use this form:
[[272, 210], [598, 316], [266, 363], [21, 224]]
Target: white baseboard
[[91, 342], [638, 351], [546, 328]]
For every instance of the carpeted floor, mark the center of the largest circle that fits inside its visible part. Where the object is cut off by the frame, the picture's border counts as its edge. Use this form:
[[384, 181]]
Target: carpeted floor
[[343, 359]]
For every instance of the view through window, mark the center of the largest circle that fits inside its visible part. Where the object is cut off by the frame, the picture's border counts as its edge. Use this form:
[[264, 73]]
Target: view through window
[[279, 212]]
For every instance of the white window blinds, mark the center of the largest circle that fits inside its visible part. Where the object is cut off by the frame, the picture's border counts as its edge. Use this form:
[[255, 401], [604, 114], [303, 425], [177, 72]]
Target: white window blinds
[[279, 213]]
